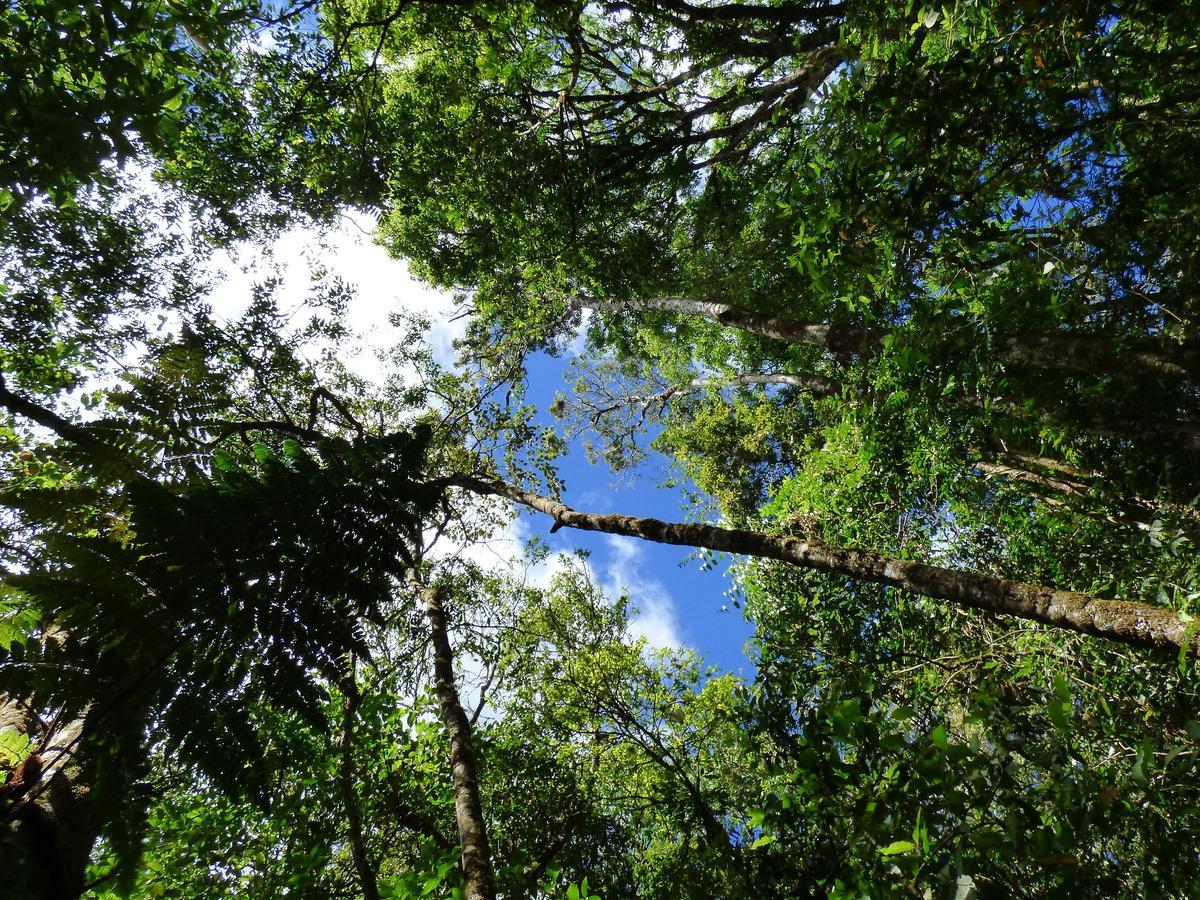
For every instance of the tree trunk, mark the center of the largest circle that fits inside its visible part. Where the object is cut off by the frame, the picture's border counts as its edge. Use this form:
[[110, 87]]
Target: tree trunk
[[1130, 623], [1180, 432], [1083, 353], [346, 782], [49, 821], [478, 881], [1183, 432], [818, 385], [1123, 511], [837, 339], [1039, 481]]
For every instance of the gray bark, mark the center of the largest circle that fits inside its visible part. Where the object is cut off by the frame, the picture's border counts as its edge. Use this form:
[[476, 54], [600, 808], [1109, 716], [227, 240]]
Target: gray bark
[[479, 882], [1083, 353], [814, 384]]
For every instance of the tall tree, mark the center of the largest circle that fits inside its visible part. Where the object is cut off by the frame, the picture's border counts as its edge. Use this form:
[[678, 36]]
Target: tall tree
[[912, 291]]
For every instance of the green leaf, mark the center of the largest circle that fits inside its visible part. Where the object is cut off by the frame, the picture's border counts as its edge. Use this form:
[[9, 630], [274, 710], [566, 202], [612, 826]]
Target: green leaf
[[938, 736], [1062, 689], [14, 747], [1057, 711], [897, 847]]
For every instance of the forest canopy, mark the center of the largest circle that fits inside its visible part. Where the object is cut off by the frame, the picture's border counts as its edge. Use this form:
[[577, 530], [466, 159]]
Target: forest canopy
[[888, 310]]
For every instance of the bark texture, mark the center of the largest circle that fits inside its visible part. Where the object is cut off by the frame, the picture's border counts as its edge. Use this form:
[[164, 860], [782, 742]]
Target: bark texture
[[1055, 485], [479, 882], [818, 385], [837, 339], [49, 823], [1083, 353], [1131, 623]]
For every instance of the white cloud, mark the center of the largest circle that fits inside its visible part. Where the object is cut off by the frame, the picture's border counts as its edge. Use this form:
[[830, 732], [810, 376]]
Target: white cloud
[[381, 286], [625, 570], [597, 501], [578, 343], [503, 549]]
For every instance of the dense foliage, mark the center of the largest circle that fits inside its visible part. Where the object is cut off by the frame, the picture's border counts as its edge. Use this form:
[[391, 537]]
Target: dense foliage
[[904, 296]]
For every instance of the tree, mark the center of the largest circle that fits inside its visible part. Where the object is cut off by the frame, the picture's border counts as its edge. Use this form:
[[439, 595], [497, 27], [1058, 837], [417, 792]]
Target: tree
[[84, 86], [1011, 324], [906, 294]]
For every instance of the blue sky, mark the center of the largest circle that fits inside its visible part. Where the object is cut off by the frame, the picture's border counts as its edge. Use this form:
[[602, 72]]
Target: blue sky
[[654, 574], [680, 603]]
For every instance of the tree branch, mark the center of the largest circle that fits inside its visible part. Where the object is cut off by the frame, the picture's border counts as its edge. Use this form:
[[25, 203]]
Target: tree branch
[[1138, 624]]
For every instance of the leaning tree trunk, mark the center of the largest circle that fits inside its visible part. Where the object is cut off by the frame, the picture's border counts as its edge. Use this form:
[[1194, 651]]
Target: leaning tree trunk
[[49, 821], [1084, 353], [1071, 481], [479, 883], [1139, 624], [1180, 432], [1051, 489], [1131, 510]]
